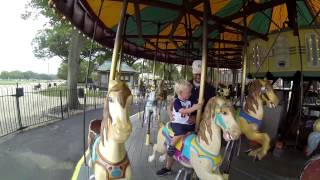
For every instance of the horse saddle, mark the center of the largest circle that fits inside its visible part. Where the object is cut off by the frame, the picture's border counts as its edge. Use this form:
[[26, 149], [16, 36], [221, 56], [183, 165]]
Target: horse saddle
[[94, 132], [115, 170], [182, 147]]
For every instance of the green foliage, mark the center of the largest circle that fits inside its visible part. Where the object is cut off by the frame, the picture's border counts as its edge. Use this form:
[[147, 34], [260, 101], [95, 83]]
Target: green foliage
[[25, 75], [63, 71], [54, 39], [148, 68]]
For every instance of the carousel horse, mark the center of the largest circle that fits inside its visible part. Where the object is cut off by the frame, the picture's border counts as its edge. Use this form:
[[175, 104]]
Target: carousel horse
[[224, 92], [202, 152], [250, 117], [142, 90], [314, 138], [161, 94], [107, 137], [151, 108]]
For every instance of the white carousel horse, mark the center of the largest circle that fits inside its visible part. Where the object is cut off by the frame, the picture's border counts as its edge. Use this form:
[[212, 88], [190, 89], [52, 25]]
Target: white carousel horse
[[202, 152], [151, 106], [108, 156]]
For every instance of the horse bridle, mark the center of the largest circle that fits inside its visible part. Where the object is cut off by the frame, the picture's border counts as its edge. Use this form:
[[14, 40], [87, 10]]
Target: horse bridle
[[264, 92]]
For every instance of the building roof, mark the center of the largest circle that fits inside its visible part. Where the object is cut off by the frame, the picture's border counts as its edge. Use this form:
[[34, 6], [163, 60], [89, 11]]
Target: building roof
[[106, 66]]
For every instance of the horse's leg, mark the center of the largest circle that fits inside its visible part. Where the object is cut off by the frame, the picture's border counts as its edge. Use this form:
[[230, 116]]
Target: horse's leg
[[159, 146], [203, 168], [265, 142], [100, 173], [263, 139], [252, 134], [128, 173]]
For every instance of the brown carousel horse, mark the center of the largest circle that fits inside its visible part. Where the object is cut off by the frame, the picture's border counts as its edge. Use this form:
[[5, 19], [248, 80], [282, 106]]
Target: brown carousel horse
[[250, 118], [161, 93], [108, 156]]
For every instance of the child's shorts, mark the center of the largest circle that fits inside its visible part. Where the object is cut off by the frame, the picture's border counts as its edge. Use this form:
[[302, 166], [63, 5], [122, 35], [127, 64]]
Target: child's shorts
[[181, 129]]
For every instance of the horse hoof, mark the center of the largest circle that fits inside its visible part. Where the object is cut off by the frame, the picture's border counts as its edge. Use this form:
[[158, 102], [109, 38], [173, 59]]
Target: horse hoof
[[256, 158], [248, 151], [150, 159], [162, 158]]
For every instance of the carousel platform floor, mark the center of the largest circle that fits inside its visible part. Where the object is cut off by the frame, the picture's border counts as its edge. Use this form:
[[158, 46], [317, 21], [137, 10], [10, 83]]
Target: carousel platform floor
[[138, 154], [286, 167]]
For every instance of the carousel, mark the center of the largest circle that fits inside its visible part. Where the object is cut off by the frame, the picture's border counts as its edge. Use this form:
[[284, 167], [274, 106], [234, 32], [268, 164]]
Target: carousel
[[263, 58]]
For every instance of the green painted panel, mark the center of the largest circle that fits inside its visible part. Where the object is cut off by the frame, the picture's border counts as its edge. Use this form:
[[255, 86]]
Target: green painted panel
[[177, 2], [232, 7], [304, 15], [261, 22], [150, 16]]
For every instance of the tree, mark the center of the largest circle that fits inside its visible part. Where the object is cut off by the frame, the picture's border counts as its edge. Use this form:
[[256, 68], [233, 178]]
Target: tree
[[54, 40]]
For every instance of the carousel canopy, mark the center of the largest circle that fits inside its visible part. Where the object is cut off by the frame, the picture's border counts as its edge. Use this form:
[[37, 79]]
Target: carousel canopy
[[177, 25]]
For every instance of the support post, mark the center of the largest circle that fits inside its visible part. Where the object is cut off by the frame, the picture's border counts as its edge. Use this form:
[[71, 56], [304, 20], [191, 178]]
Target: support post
[[118, 41], [61, 107], [204, 59], [244, 64]]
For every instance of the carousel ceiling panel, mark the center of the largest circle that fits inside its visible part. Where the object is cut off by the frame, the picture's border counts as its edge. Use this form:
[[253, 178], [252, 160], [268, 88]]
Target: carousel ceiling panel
[[174, 16]]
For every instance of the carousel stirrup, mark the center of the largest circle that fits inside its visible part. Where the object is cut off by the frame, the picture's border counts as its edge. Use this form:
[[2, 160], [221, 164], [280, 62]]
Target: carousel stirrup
[[187, 173]]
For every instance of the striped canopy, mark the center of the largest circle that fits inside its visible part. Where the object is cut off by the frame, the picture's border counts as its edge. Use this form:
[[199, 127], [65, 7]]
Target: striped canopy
[[177, 25]]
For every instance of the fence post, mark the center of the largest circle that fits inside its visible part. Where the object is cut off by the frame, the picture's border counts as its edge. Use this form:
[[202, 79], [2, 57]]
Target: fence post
[[61, 104], [68, 107], [95, 98], [18, 112]]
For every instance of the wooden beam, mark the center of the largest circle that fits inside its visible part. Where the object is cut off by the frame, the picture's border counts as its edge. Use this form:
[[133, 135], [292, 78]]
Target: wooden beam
[[254, 7], [159, 4], [181, 38], [223, 21], [138, 18]]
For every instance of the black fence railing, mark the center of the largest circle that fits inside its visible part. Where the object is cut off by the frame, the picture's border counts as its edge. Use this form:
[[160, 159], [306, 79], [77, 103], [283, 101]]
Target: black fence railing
[[28, 106]]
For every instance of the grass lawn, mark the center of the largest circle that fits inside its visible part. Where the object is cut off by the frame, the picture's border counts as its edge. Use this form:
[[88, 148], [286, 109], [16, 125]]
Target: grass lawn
[[12, 82], [55, 91]]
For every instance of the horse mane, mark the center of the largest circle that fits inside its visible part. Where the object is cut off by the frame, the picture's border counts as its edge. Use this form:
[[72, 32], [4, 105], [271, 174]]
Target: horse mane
[[123, 93], [254, 89], [206, 120], [209, 113]]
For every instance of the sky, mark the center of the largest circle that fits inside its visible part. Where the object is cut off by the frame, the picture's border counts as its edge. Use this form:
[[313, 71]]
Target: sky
[[16, 35]]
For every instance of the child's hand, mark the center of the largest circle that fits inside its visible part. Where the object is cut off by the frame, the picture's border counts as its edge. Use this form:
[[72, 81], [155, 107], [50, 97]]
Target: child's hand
[[197, 106]]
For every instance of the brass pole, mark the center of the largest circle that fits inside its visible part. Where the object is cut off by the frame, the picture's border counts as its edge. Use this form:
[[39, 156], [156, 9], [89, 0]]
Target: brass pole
[[204, 59], [148, 136], [244, 64], [117, 42]]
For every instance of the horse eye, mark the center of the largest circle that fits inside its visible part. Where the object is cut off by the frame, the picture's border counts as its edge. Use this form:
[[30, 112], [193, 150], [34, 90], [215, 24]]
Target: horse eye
[[224, 113], [110, 99]]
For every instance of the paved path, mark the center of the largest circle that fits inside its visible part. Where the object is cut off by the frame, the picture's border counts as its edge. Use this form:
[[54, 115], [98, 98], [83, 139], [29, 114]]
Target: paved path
[[45, 153]]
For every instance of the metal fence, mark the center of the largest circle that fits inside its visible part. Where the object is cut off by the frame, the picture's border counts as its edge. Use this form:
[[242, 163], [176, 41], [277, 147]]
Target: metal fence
[[29, 106]]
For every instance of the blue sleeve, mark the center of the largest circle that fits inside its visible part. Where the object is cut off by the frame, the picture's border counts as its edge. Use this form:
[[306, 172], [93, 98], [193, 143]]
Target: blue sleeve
[[192, 102], [177, 105]]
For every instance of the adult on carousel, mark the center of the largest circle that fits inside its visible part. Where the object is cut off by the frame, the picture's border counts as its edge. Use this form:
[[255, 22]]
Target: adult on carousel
[[209, 92]]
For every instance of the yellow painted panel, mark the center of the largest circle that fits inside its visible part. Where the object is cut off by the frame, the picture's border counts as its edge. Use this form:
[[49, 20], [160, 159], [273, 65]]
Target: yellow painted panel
[[240, 20], [292, 59], [110, 13], [279, 16], [217, 5], [314, 6], [180, 31]]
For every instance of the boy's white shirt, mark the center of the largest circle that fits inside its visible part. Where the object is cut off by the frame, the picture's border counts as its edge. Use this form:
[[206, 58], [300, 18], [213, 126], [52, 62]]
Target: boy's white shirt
[[177, 118]]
